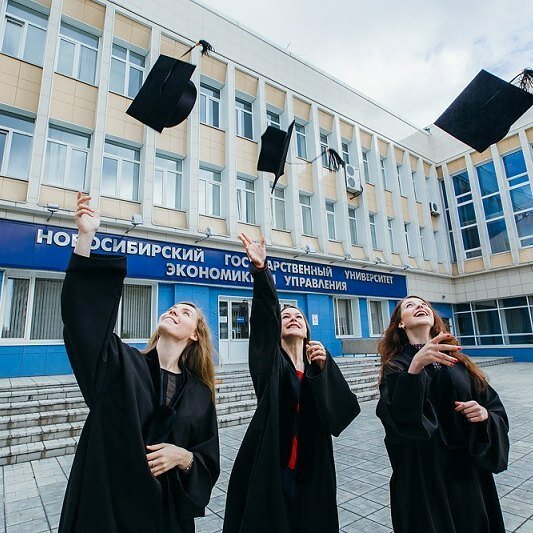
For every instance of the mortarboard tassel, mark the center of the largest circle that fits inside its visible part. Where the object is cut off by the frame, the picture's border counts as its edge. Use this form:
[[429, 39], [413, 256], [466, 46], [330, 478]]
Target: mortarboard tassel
[[525, 80], [335, 161], [206, 48]]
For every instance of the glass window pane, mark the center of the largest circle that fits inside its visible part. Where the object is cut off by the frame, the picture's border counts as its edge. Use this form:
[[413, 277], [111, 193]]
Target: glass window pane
[[76, 175], [120, 52], [136, 59], [203, 109], [19, 156], [486, 304], [109, 177], [470, 238], [520, 339], [514, 302], [65, 60], [3, 138], [12, 36], [87, 67], [215, 113], [514, 164], [216, 200], [487, 178], [9, 120], [121, 151], [78, 35], [56, 157], [465, 324], [461, 183], [46, 317], [129, 181], [467, 214], [118, 76], [488, 322], [15, 297], [491, 340], [136, 311], [158, 187], [223, 319], [69, 137], [517, 320], [521, 198], [135, 82], [524, 224], [34, 48], [493, 206], [27, 13], [499, 241]]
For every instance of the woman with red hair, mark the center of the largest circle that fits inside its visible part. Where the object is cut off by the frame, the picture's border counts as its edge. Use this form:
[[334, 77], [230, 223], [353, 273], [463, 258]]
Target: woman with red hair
[[446, 428]]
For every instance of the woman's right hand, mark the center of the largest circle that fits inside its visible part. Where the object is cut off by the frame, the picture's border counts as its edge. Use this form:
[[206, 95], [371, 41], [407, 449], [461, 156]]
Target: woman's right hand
[[87, 218], [432, 352], [256, 252], [88, 222]]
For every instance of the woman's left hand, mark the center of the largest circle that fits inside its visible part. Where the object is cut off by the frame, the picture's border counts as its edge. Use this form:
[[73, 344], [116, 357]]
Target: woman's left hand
[[316, 353], [164, 457], [472, 411]]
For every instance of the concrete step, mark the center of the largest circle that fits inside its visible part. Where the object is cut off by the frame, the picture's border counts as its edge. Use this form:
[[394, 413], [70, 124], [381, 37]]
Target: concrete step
[[25, 435]]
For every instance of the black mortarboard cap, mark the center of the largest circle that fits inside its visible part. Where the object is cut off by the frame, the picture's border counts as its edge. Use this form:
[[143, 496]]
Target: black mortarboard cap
[[274, 147], [167, 96], [485, 111]]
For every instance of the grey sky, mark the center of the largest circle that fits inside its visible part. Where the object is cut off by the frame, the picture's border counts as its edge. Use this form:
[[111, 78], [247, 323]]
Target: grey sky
[[413, 56]]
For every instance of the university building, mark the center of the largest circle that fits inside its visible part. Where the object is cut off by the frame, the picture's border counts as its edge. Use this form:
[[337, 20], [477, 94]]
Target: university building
[[430, 216]]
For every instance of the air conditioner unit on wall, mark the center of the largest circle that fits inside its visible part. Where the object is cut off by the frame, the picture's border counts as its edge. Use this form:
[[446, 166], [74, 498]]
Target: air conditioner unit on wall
[[353, 179], [434, 209]]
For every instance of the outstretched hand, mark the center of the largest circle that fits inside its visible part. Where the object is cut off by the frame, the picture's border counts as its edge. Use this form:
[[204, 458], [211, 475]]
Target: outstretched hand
[[88, 222], [256, 252]]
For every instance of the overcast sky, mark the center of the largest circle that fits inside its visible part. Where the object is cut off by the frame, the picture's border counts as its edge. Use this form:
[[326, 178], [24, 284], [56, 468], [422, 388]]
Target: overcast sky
[[413, 56]]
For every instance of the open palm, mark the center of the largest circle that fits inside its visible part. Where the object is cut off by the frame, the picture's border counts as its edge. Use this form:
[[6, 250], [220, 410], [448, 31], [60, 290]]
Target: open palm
[[87, 218], [256, 252]]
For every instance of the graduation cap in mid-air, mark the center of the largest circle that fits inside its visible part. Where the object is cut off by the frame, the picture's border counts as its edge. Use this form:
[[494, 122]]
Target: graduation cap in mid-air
[[274, 147], [167, 96], [486, 109]]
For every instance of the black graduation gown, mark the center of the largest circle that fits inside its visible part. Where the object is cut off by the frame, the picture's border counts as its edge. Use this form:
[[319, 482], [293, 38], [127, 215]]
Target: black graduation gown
[[110, 487], [255, 500], [442, 464]]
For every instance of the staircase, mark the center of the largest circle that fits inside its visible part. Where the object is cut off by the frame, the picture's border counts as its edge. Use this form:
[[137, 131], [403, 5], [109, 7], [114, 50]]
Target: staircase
[[43, 417]]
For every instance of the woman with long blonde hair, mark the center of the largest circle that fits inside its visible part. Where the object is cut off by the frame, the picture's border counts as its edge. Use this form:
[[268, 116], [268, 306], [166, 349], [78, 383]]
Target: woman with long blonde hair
[[148, 456], [446, 428]]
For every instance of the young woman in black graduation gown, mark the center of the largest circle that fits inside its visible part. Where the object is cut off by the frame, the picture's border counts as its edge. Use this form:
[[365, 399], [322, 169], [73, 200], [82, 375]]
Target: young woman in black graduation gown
[[283, 479], [446, 428], [148, 455]]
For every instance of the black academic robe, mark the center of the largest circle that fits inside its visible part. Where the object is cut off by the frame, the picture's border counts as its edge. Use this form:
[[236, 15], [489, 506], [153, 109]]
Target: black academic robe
[[255, 500], [110, 487], [442, 464]]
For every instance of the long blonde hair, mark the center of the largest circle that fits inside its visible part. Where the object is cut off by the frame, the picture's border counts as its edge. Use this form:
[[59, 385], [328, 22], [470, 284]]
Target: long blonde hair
[[197, 355]]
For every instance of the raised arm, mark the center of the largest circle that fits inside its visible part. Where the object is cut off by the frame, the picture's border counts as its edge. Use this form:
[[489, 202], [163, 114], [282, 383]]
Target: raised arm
[[265, 324], [89, 305]]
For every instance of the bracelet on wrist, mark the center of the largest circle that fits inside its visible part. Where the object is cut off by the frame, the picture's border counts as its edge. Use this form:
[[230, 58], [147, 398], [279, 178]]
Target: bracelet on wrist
[[189, 466]]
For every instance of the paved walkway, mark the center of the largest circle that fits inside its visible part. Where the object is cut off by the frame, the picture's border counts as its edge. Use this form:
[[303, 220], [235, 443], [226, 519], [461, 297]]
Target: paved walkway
[[32, 493]]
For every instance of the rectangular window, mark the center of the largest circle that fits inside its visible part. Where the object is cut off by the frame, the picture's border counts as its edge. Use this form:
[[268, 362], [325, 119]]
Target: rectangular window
[[373, 232], [120, 173], [127, 71], [273, 119], [390, 231], [243, 118], [399, 177], [346, 317], [520, 194], [24, 33], [32, 309], [209, 189], [324, 147], [301, 144], [383, 173], [330, 214], [422, 247], [492, 207], [307, 220], [246, 200], [451, 242], [67, 153], [407, 240], [78, 52], [366, 170], [415, 188], [352, 221], [277, 206], [345, 152], [467, 215], [378, 317], [209, 105], [168, 182], [135, 314], [16, 136]]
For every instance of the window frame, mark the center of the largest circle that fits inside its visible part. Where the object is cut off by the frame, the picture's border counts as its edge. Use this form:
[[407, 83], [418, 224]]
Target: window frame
[[10, 132], [306, 208], [246, 200], [385, 315], [273, 119], [301, 140], [275, 200], [373, 231], [166, 177], [352, 224], [209, 185], [355, 317], [390, 232], [120, 165], [206, 100], [129, 65], [241, 114], [330, 217]]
